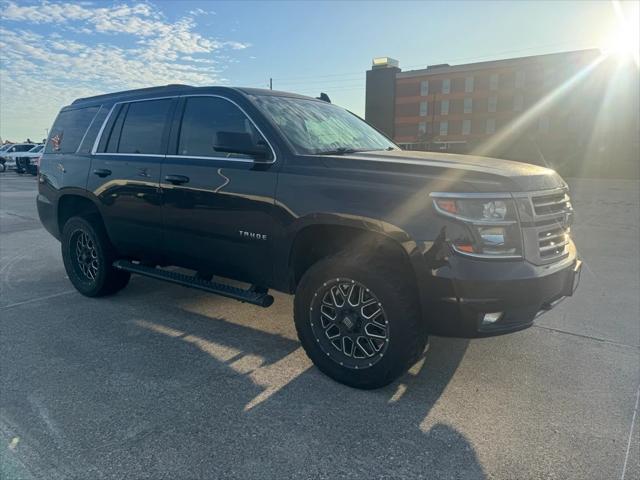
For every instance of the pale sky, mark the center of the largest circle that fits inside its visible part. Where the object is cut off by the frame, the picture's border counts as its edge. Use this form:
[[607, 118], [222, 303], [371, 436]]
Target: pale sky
[[53, 52]]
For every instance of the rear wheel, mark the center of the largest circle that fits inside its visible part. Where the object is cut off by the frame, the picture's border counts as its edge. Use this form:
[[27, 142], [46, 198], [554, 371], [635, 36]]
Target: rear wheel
[[88, 257], [359, 320]]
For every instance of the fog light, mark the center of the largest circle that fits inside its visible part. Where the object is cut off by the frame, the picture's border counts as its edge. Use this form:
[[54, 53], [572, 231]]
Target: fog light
[[490, 318]]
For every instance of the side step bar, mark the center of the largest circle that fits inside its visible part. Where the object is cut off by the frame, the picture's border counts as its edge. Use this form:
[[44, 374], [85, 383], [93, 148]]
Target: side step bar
[[254, 295]]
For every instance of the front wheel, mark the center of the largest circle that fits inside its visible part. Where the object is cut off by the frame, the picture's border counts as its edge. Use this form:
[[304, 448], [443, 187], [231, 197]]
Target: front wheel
[[3, 167], [359, 320], [88, 258]]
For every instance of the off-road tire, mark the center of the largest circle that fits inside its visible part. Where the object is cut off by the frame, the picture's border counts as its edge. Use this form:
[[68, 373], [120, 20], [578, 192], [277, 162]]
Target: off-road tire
[[106, 279], [397, 295]]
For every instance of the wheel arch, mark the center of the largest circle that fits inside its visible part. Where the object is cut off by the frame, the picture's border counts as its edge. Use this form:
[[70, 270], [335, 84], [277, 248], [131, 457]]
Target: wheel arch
[[320, 239], [76, 203]]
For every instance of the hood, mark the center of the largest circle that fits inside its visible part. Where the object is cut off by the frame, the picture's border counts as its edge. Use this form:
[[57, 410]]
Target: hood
[[471, 169]]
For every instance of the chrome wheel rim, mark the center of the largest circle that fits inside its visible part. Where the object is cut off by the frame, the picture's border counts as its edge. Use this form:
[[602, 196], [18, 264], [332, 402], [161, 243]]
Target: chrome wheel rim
[[86, 255], [349, 323]]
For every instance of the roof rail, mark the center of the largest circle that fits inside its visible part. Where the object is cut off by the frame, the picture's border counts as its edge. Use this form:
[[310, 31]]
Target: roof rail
[[133, 92]]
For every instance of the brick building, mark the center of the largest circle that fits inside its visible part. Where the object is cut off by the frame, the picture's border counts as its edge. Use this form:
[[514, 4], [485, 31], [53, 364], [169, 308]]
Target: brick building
[[546, 109]]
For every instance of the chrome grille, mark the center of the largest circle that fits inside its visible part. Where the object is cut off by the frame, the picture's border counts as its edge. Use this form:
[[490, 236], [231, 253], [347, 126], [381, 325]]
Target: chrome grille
[[552, 243], [553, 215], [546, 218], [550, 204]]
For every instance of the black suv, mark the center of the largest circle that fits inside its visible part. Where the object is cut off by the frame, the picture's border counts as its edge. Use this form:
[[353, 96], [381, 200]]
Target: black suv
[[380, 246]]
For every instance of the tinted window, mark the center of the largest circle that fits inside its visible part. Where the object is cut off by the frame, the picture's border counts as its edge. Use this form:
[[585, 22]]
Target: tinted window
[[114, 137], [143, 127], [69, 128], [92, 131], [24, 148], [203, 118]]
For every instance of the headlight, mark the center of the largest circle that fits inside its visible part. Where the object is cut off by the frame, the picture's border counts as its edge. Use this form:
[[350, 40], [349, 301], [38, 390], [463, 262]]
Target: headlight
[[492, 220]]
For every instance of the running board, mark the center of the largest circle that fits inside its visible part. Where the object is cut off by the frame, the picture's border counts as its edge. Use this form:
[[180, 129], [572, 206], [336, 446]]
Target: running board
[[254, 295]]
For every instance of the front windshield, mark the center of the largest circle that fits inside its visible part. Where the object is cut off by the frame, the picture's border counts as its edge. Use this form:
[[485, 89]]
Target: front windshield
[[317, 127], [36, 149]]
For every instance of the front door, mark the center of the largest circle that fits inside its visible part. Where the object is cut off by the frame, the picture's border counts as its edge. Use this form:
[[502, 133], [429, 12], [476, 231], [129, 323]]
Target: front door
[[125, 175], [217, 207]]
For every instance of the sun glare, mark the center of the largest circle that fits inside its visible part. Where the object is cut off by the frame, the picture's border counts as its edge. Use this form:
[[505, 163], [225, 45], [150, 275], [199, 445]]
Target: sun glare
[[624, 41]]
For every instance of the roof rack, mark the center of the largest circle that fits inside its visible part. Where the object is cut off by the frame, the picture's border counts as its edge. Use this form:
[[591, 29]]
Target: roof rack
[[134, 92]]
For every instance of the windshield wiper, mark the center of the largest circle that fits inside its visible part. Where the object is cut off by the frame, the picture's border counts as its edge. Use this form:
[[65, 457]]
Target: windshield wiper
[[338, 151], [345, 150]]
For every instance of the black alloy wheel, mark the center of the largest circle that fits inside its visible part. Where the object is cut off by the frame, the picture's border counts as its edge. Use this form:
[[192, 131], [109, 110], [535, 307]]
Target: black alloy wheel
[[88, 258], [359, 319], [349, 323]]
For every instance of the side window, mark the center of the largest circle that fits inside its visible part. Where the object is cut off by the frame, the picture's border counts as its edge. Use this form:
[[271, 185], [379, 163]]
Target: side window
[[92, 131], [69, 128], [203, 121], [143, 125], [116, 128]]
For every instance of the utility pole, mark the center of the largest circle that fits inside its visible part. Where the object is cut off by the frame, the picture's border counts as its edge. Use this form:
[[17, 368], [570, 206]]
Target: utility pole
[[270, 83]]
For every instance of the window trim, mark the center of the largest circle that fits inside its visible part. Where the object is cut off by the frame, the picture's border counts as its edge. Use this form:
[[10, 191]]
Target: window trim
[[466, 121], [244, 160], [88, 128], [426, 108], [448, 82]]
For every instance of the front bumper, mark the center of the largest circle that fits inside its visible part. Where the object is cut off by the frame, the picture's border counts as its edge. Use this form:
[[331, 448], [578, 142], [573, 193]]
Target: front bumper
[[516, 292]]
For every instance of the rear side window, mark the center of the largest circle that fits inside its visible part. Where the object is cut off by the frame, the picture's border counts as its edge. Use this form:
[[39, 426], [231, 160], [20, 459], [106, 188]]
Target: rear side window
[[140, 127], [203, 118], [69, 128]]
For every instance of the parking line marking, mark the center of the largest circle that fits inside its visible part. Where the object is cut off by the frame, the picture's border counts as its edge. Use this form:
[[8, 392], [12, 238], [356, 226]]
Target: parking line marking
[[33, 300], [588, 337], [633, 421]]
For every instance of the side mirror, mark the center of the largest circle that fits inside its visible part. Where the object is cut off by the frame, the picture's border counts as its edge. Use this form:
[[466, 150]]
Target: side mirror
[[242, 143]]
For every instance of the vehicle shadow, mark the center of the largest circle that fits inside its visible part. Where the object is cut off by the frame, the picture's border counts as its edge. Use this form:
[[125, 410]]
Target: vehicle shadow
[[299, 415], [166, 392]]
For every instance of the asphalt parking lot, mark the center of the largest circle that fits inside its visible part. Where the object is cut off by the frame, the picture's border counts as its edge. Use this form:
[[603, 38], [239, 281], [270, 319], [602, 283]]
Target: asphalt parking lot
[[164, 382]]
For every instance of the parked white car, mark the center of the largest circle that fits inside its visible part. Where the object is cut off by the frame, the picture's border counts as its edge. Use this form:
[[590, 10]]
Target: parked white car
[[28, 162], [8, 156]]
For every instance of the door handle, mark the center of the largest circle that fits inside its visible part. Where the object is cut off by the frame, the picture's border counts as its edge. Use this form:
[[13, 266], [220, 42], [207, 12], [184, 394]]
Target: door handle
[[176, 179], [102, 172]]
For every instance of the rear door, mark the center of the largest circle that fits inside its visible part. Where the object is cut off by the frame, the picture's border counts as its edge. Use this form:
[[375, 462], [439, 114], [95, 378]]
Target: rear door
[[218, 207], [125, 174]]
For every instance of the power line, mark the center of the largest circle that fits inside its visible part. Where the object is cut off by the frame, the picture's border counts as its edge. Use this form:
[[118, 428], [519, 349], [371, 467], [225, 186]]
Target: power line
[[286, 80]]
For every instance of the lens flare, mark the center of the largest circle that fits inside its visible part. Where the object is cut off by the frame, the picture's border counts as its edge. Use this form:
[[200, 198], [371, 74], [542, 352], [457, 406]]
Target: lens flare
[[624, 41]]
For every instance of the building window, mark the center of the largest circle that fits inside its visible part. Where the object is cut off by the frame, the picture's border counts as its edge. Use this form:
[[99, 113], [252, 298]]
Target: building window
[[518, 102], [520, 79], [446, 85], [543, 125], [468, 84], [549, 75], [423, 109], [444, 128], [490, 126], [493, 81], [422, 128], [466, 127], [468, 105], [444, 107], [424, 88], [493, 103]]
